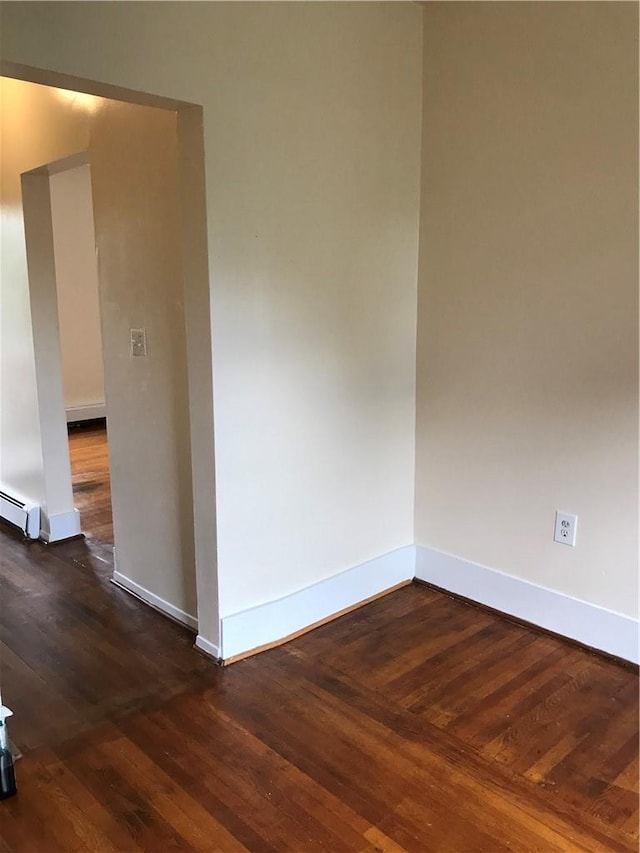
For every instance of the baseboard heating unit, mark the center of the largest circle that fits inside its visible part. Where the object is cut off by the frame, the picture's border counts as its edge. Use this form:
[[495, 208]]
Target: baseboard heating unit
[[21, 513]]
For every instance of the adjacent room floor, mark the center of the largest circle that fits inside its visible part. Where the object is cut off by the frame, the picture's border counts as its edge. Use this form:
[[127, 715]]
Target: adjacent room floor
[[416, 723], [89, 456]]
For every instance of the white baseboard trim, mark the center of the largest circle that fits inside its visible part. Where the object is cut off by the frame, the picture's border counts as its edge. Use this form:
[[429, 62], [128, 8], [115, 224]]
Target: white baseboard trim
[[587, 623], [208, 647], [154, 600], [86, 413], [270, 623], [61, 525]]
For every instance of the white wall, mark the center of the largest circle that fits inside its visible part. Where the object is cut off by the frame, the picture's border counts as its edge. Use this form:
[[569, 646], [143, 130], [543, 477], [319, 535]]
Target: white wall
[[77, 280], [527, 390], [312, 140]]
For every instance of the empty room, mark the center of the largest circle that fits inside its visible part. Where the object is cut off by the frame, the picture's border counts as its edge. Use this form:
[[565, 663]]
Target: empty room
[[367, 284]]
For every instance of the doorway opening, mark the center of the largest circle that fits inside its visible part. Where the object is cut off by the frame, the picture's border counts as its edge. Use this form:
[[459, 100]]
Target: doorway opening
[[90, 479], [77, 288], [146, 155]]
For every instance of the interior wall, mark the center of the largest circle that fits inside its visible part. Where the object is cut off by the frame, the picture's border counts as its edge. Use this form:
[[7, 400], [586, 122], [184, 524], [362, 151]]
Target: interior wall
[[312, 140], [527, 382], [77, 288], [26, 144], [21, 466], [58, 517], [133, 155], [134, 161]]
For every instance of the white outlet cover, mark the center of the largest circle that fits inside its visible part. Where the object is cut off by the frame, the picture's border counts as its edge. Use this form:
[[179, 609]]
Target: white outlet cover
[[566, 528]]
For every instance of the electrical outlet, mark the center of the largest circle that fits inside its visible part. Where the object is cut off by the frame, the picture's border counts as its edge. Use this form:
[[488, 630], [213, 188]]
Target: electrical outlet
[[138, 343], [566, 527]]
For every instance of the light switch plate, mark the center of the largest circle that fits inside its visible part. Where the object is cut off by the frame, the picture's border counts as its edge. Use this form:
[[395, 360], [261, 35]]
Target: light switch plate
[[138, 343]]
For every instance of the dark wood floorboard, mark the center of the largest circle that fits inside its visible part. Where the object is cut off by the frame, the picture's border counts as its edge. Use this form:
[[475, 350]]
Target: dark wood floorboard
[[417, 723]]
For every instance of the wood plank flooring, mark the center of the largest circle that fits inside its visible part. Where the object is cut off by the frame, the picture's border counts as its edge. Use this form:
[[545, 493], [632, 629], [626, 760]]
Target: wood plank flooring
[[417, 723], [89, 456]]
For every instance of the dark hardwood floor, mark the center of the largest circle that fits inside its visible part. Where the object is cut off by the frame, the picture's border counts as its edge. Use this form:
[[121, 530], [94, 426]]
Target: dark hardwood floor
[[417, 723]]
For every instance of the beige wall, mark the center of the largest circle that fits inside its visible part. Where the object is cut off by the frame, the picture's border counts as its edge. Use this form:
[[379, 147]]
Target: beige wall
[[21, 466], [77, 281], [527, 321], [527, 397], [25, 117], [312, 139], [133, 155]]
